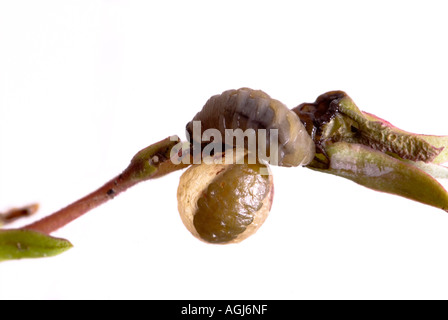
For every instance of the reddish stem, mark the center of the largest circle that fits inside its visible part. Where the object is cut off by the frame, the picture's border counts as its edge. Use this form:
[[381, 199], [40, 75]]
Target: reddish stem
[[150, 163], [82, 206]]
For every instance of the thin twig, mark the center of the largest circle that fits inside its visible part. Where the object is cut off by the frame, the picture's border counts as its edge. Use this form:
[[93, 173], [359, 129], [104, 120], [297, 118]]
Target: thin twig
[[75, 210], [150, 163]]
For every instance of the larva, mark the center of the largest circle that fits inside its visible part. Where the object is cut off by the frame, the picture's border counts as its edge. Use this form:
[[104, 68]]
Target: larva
[[254, 109]]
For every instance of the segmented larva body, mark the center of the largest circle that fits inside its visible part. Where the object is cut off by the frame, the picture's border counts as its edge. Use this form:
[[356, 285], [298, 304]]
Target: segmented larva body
[[254, 109]]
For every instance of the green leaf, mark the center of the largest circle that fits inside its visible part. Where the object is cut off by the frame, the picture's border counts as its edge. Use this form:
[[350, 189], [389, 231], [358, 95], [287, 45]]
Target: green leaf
[[437, 171], [19, 244], [378, 171], [440, 142], [381, 135]]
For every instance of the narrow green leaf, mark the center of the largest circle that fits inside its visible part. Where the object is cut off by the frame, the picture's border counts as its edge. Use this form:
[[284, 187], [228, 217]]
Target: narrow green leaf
[[435, 141], [378, 171], [19, 244], [381, 135], [437, 171]]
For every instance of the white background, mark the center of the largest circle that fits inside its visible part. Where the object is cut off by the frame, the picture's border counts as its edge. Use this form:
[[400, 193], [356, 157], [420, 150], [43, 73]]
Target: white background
[[84, 85]]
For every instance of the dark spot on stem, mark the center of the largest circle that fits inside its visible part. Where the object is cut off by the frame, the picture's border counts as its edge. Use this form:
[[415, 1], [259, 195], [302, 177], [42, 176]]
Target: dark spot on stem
[[111, 193]]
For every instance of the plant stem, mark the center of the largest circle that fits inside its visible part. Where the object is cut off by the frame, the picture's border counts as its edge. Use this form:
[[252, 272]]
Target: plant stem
[[149, 163], [75, 210]]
